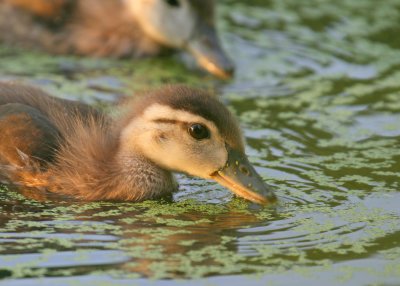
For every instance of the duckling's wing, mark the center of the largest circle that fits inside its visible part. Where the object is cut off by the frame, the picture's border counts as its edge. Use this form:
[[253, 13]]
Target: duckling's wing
[[48, 9], [26, 136]]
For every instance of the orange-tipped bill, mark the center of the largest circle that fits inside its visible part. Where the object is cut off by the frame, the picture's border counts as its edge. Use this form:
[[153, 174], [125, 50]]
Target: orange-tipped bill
[[241, 178], [207, 50]]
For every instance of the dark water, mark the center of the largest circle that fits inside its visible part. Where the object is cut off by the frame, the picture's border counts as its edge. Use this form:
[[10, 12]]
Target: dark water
[[317, 91]]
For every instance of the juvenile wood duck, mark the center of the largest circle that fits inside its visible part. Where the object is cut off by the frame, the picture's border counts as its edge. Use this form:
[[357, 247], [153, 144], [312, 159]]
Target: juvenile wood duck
[[71, 149], [117, 28]]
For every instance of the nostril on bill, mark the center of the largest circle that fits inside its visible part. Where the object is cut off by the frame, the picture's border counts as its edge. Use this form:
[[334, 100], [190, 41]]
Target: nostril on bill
[[244, 170]]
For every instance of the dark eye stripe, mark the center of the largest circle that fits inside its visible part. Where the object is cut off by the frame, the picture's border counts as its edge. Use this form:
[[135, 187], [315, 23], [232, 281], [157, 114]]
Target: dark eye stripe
[[169, 121], [173, 3], [189, 125]]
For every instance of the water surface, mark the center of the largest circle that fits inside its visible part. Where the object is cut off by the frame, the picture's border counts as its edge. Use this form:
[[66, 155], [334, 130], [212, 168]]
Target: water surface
[[317, 91]]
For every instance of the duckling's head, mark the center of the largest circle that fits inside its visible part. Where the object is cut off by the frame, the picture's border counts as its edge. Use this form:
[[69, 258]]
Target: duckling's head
[[184, 24], [187, 130]]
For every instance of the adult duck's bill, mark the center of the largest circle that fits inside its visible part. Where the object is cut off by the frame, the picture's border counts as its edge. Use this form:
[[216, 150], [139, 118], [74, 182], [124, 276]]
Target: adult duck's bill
[[241, 178], [207, 50]]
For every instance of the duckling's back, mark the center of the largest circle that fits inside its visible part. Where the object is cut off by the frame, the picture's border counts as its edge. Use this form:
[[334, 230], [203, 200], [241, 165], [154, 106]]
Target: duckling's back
[[53, 108], [33, 122], [73, 27]]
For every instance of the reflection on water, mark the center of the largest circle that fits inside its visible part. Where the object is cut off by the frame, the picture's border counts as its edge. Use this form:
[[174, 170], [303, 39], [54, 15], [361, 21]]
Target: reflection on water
[[317, 93]]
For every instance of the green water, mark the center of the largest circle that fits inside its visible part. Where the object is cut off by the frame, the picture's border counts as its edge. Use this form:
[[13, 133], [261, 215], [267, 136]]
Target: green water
[[317, 91]]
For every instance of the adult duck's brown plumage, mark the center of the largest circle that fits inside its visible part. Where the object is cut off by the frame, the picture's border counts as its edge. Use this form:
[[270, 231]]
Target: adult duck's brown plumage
[[76, 151], [119, 28]]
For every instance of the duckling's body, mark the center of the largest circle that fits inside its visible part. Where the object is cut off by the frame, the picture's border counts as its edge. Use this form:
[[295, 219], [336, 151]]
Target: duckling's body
[[71, 149], [91, 156], [115, 28]]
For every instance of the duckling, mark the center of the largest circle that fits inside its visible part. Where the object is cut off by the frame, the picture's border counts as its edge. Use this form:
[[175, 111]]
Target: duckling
[[127, 157], [117, 28]]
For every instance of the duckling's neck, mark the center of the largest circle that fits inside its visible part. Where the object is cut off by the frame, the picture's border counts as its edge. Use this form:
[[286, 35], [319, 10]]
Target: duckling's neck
[[142, 179], [122, 178]]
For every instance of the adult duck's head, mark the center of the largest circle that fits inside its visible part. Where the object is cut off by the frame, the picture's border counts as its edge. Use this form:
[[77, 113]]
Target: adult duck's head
[[186, 24], [187, 130]]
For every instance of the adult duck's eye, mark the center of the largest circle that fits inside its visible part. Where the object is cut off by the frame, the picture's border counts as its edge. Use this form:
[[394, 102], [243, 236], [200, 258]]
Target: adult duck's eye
[[173, 3], [198, 131]]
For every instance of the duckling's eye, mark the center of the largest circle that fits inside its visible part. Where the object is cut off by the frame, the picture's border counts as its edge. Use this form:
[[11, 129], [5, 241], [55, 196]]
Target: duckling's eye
[[173, 3], [199, 131]]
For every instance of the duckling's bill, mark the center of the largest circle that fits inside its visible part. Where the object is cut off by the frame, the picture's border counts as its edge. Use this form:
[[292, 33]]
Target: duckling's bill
[[207, 50], [241, 178]]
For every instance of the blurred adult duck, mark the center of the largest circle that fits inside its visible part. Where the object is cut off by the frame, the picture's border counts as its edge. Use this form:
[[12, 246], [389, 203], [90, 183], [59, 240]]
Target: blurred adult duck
[[116, 28], [71, 149]]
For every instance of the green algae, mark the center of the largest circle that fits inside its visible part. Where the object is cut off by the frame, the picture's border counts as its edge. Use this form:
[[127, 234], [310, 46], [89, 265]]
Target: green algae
[[156, 230]]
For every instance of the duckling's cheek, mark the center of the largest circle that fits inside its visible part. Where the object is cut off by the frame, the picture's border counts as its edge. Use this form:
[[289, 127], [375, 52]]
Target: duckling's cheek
[[213, 158], [164, 24]]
